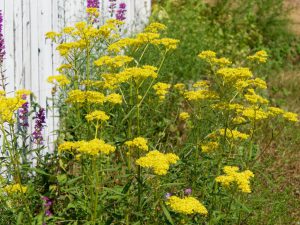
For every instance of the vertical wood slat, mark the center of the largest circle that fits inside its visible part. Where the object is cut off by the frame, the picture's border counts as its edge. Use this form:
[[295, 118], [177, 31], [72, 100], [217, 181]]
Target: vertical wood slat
[[30, 59]]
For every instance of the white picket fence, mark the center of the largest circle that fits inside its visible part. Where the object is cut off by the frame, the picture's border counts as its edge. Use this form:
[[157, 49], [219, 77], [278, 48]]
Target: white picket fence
[[30, 58]]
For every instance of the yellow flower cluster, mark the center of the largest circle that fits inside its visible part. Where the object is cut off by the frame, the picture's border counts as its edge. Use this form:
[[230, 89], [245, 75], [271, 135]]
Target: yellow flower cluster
[[139, 143], [260, 56], [22, 92], [184, 116], [168, 43], [211, 57], [233, 134], [61, 80], [200, 95], [155, 27], [254, 98], [234, 74], [93, 147], [78, 96], [114, 62], [8, 105], [293, 117], [97, 115], [52, 35], [149, 36], [186, 205], [242, 179], [180, 87], [159, 162], [114, 98], [209, 146], [161, 90], [15, 188], [111, 81], [254, 113], [93, 12]]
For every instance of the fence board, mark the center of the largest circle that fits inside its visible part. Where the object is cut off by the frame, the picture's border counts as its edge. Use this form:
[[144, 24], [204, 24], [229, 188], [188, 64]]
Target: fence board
[[30, 59]]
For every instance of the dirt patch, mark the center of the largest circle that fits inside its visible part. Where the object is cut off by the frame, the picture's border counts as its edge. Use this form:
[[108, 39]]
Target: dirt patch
[[294, 14]]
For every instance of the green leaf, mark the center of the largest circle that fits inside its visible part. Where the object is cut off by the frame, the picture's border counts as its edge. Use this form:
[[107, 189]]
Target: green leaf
[[167, 213]]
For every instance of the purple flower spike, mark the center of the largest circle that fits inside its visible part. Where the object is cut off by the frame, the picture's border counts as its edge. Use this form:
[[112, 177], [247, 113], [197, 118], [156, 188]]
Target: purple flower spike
[[23, 115], [93, 4], [2, 46], [40, 121], [188, 191], [121, 12]]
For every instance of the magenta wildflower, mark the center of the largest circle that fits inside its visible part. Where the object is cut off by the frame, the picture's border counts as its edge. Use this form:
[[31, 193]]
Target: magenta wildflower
[[2, 46], [40, 122], [93, 4], [121, 12], [188, 191]]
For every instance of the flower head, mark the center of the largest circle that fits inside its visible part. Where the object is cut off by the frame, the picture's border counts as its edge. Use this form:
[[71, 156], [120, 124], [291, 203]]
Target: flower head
[[186, 205], [121, 12], [242, 179], [158, 161]]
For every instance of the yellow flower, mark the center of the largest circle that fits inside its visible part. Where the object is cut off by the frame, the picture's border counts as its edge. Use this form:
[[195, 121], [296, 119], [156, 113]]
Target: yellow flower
[[93, 12], [293, 117], [255, 114], [234, 74], [159, 162], [15, 188], [8, 105], [168, 43], [155, 27], [184, 116], [186, 205], [200, 95], [274, 111], [203, 84], [254, 98], [20, 93], [210, 146], [78, 96], [257, 82], [179, 86], [114, 62], [207, 55], [114, 98], [93, 147], [260, 57], [242, 179], [61, 80], [52, 35], [144, 38], [68, 30], [221, 61], [233, 134], [139, 143], [121, 44], [97, 115], [161, 89]]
